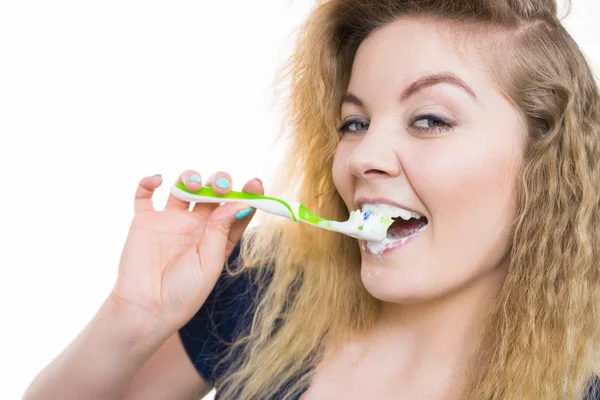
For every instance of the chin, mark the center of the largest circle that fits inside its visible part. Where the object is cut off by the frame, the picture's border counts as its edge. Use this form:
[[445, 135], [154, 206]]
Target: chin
[[398, 284]]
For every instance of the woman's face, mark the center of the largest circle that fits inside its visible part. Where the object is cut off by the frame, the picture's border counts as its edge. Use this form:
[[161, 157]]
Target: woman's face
[[425, 131]]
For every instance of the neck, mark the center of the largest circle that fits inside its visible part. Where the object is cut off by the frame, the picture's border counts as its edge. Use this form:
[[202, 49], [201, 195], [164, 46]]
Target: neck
[[435, 338]]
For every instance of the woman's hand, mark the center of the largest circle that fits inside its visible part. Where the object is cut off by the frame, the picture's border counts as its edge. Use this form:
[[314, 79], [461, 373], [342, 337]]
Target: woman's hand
[[172, 258]]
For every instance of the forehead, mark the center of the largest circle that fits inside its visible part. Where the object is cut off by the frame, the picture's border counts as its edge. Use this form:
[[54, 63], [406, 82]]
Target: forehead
[[402, 51]]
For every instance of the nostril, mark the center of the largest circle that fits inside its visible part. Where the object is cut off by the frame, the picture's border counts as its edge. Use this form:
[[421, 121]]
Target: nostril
[[375, 172]]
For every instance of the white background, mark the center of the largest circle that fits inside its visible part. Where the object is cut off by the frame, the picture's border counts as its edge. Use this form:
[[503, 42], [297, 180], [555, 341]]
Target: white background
[[96, 95]]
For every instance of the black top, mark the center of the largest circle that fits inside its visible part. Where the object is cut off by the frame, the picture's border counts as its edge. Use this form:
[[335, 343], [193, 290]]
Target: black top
[[227, 311]]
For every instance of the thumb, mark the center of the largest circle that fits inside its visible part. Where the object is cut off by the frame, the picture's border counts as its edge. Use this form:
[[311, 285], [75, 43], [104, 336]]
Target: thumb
[[216, 239]]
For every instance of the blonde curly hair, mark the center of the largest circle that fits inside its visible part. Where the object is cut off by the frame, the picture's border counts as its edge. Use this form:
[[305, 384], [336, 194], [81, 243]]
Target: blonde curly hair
[[541, 340]]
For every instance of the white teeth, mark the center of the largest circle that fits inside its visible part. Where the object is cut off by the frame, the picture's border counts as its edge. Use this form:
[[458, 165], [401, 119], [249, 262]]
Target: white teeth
[[391, 211]]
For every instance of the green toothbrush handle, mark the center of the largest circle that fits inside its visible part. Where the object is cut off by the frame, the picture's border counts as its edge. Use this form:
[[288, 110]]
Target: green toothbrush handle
[[271, 205], [358, 226]]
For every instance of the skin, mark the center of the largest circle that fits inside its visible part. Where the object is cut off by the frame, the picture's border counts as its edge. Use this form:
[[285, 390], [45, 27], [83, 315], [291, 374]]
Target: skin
[[437, 289], [188, 247], [169, 264]]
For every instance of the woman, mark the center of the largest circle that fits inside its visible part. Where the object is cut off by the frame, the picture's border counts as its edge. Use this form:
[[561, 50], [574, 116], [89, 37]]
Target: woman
[[482, 116]]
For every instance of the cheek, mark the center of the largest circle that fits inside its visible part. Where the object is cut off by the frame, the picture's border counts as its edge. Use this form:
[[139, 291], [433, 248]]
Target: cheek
[[342, 176], [468, 176], [469, 191]]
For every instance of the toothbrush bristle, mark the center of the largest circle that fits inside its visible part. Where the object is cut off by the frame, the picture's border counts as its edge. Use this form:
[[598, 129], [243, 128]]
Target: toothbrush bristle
[[367, 225], [375, 227]]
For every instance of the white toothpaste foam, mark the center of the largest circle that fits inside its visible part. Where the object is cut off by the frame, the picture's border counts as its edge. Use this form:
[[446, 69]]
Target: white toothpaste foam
[[379, 247]]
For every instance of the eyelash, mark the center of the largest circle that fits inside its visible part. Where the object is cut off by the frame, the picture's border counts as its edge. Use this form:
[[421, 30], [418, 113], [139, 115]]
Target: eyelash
[[433, 130]]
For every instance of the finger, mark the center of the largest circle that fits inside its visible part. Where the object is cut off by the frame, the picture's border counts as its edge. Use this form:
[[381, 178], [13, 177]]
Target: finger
[[144, 192], [193, 182], [221, 183], [254, 186], [239, 226], [212, 248]]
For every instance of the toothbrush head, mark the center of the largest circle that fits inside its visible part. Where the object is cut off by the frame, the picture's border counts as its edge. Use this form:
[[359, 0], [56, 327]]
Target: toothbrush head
[[368, 226]]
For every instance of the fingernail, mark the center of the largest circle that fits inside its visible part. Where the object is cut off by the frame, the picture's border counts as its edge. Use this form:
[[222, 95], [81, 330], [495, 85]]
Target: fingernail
[[261, 182], [243, 214], [223, 183], [195, 178], [157, 175]]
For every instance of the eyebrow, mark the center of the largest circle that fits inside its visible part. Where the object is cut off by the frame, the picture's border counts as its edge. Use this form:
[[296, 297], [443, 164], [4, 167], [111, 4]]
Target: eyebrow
[[418, 85]]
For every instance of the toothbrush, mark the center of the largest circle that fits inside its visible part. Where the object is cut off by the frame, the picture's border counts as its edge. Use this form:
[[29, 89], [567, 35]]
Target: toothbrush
[[364, 226]]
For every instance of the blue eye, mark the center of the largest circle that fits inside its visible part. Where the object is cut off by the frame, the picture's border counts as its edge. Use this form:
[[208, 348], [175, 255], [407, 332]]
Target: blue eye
[[434, 124], [353, 125]]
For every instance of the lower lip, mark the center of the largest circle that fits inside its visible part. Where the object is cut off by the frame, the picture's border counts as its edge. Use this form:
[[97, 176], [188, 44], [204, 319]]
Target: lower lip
[[398, 245]]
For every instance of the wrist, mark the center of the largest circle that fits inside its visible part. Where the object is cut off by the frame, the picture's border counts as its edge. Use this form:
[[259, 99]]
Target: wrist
[[134, 323]]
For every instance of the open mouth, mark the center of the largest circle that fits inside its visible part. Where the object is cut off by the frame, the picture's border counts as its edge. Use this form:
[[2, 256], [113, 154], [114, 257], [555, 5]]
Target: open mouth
[[406, 226], [402, 228], [399, 234]]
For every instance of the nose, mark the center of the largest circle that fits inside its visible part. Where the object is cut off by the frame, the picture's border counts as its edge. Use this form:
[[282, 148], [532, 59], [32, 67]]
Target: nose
[[374, 156]]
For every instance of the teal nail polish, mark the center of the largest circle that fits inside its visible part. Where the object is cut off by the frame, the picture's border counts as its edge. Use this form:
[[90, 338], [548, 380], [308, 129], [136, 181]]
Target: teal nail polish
[[195, 178], [223, 183], [243, 214]]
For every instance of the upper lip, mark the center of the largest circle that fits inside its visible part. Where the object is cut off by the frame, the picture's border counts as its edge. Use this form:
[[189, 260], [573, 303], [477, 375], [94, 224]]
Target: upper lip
[[381, 200]]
